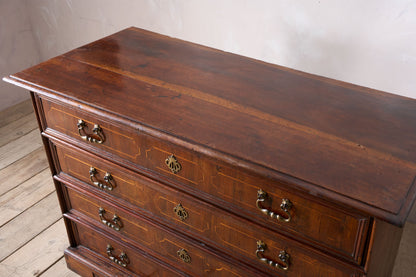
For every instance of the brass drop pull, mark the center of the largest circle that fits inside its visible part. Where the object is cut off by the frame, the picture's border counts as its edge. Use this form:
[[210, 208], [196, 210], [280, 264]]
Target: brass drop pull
[[98, 136], [283, 257], [184, 256], [180, 211], [285, 206], [115, 222], [122, 259], [109, 181], [173, 164]]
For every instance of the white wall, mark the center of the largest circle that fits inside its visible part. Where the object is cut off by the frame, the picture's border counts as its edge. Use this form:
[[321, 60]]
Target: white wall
[[18, 48], [370, 43]]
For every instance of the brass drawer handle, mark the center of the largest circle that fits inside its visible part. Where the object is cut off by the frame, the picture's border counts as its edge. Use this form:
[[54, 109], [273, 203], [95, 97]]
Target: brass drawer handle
[[285, 206], [173, 164], [283, 257], [96, 130], [115, 222], [122, 259], [107, 178], [184, 256]]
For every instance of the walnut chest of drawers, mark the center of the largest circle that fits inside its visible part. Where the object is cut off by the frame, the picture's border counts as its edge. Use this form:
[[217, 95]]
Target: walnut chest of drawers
[[171, 158]]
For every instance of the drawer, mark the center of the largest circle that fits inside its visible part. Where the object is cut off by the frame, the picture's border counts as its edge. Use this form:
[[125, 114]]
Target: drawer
[[112, 250], [237, 237], [87, 263], [124, 142], [165, 246], [342, 233]]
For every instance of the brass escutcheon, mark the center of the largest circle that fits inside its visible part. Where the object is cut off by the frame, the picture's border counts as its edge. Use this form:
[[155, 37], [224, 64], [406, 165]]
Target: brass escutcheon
[[173, 164], [180, 212], [184, 256]]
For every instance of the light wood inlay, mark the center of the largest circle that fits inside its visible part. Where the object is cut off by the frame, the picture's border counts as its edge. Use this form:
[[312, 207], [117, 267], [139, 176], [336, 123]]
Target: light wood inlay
[[253, 112]]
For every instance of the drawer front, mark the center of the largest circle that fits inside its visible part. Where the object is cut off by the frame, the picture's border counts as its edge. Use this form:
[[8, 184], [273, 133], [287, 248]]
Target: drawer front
[[344, 233], [84, 262], [238, 238], [123, 141], [184, 256], [135, 261]]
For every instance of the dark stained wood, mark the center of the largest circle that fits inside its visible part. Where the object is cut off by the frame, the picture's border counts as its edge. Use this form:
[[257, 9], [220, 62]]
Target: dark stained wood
[[64, 119], [202, 263], [342, 233], [141, 263], [341, 139], [304, 261], [86, 263], [342, 154], [384, 244], [298, 97]]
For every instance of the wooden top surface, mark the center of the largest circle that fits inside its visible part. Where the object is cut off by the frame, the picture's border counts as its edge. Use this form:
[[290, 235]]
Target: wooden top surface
[[351, 144]]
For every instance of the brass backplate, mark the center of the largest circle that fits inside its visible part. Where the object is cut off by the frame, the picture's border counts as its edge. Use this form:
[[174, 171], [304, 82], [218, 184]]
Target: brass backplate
[[184, 256], [173, 164], [180, 212]]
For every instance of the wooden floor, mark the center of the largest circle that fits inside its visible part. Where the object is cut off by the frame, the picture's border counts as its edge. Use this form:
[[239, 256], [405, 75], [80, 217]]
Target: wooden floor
[[32, 233]]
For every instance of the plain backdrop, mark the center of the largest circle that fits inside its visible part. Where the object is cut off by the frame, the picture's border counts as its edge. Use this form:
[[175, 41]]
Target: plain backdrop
[[370, 43]]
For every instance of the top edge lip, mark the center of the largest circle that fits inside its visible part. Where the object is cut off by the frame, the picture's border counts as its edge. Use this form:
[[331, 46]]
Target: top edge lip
[[7, 79], [397, 218]]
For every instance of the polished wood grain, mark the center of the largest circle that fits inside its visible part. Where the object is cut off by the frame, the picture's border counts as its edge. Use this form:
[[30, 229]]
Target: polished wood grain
[[343, 234], [239, 239], [138, 264], [25, 227], [235, 125], [350, 138], [383, 247], [87, 263], [201, 263]]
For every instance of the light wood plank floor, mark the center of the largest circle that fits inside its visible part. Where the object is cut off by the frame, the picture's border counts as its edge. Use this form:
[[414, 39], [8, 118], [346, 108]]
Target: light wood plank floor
[[32, 233]]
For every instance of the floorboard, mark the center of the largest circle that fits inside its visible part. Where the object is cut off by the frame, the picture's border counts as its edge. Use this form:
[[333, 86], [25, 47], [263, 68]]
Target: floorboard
[[38, 254], [23, 169], [20, 147], [28, 225], [25, 195], [59, 269], [15, 112], [17, 128]]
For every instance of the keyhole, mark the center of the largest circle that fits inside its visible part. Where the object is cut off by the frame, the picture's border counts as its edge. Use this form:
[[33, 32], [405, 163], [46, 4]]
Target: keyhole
[[180, 212]]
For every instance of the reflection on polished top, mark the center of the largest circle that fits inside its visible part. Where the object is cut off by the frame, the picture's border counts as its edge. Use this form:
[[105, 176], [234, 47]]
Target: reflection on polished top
[[345, 142]]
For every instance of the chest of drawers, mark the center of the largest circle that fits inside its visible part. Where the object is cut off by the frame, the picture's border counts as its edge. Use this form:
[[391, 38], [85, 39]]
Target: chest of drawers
[[171, 158]]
